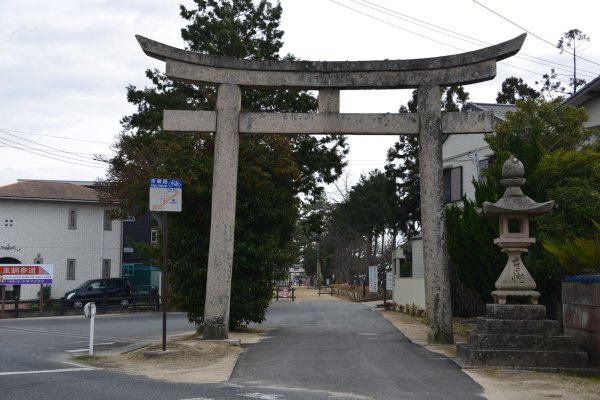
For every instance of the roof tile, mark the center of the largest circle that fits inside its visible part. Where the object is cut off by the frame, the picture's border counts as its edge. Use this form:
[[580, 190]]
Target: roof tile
[[48, 191]]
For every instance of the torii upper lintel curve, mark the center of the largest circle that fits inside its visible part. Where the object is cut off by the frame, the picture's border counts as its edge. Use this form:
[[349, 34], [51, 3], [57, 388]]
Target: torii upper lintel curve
[[459, 69]]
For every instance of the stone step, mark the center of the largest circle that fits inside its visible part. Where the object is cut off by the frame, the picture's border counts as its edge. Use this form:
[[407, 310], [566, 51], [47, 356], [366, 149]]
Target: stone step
[[515, 311], [521, 358], [483, 341], [523, 327]]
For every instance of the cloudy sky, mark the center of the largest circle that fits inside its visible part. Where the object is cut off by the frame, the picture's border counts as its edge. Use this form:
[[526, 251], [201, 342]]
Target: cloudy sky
[[65, 64]]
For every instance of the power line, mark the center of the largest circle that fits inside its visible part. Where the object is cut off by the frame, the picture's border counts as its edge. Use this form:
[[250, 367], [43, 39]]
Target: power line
[[395, 26], [528, 31], [464, 38], [81, 158], [40, 153], [454, 34], [393, 13], [57, 137], [471, 40]]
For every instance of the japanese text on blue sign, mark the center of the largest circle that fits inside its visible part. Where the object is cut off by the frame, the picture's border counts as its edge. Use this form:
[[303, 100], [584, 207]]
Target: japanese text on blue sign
[[165, 183]]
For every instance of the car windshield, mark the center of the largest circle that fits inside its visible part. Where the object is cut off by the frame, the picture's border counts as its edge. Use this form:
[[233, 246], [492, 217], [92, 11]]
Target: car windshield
[[85, 284]]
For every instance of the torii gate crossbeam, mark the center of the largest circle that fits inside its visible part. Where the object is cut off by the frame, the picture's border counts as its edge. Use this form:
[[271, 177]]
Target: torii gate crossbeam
[[232, 75]]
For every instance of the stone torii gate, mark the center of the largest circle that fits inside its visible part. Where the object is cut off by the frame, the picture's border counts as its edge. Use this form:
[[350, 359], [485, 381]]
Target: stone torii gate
[[230, 76]]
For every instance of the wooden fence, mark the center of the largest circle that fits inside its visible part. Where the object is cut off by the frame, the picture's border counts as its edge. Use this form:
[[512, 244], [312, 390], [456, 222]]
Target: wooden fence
[[465, 302], [55, 307]]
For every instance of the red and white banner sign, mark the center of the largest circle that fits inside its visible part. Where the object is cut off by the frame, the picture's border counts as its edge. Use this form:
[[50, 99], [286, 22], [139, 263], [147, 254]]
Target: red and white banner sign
[[24, 274]]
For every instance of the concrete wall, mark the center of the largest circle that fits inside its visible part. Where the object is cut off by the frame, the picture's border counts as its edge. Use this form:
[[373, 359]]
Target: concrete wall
[[581, 315], [41, 227]]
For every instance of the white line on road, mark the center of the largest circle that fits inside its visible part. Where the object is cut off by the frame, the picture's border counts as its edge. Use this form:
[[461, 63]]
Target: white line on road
[[46, 371], [262, 396], [87, 349], [199, 398]]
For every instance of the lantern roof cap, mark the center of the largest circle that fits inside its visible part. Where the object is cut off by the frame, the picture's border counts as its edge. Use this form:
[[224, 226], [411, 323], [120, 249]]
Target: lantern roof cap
[[513, 201]]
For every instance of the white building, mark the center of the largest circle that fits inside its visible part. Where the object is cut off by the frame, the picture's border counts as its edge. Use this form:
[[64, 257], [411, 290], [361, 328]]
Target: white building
[[466, 156], [464, 159], [409, 275], [588, 97], [63, 224], [297, 273]]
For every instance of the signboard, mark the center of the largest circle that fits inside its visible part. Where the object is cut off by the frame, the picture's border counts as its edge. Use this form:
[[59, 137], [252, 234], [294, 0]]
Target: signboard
[[373, 279], [165, 194], [389, 280], [26, 274]]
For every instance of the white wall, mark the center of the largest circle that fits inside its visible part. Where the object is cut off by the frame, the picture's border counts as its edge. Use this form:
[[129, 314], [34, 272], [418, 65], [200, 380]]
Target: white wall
[[41, 227], [409, 291], [593, 108], [412, 290], [465, 151], [418, 265]]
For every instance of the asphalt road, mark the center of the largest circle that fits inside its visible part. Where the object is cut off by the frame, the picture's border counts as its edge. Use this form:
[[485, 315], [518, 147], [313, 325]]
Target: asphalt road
[[347, 350], [320, 350]]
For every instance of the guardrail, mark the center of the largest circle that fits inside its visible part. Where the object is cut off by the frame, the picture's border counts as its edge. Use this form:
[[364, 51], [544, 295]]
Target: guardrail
[[58, 307]]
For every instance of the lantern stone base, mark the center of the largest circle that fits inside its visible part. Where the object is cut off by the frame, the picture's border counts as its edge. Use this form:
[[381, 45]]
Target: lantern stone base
[[519, 336], [516, 296]]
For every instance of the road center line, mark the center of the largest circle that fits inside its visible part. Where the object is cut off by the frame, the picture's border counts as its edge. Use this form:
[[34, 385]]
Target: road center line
[[46, 371]]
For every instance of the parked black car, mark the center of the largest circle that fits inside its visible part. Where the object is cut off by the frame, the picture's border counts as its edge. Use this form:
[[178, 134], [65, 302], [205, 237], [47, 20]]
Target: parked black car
[[114, 290]]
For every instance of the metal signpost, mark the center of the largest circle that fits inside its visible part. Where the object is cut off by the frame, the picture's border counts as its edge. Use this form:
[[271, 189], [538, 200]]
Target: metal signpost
[[165, 196], [2, 293]]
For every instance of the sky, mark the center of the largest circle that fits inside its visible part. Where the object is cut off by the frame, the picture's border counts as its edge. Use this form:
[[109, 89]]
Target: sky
[[65, 64]]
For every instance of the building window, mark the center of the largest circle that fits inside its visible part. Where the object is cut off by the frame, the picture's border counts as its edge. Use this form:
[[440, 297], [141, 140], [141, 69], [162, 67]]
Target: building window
[[128, 270], [483, 165], [72, 218], [452, 184], [153, 236], [406, 270], [8, 222], [71, 269], [106, 268], [107, 221]]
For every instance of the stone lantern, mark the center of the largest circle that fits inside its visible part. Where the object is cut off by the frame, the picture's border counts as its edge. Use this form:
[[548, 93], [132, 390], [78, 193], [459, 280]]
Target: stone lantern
[[515, 284], [515, 332]]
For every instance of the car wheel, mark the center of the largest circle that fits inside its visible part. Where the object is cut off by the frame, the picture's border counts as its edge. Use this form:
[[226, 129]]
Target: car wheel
[[78, 304], [124, 302]]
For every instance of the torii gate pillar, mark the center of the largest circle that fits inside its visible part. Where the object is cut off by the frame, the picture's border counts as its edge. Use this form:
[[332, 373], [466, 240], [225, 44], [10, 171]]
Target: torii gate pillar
[[433, 216], [222, 224], [232, 75]]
